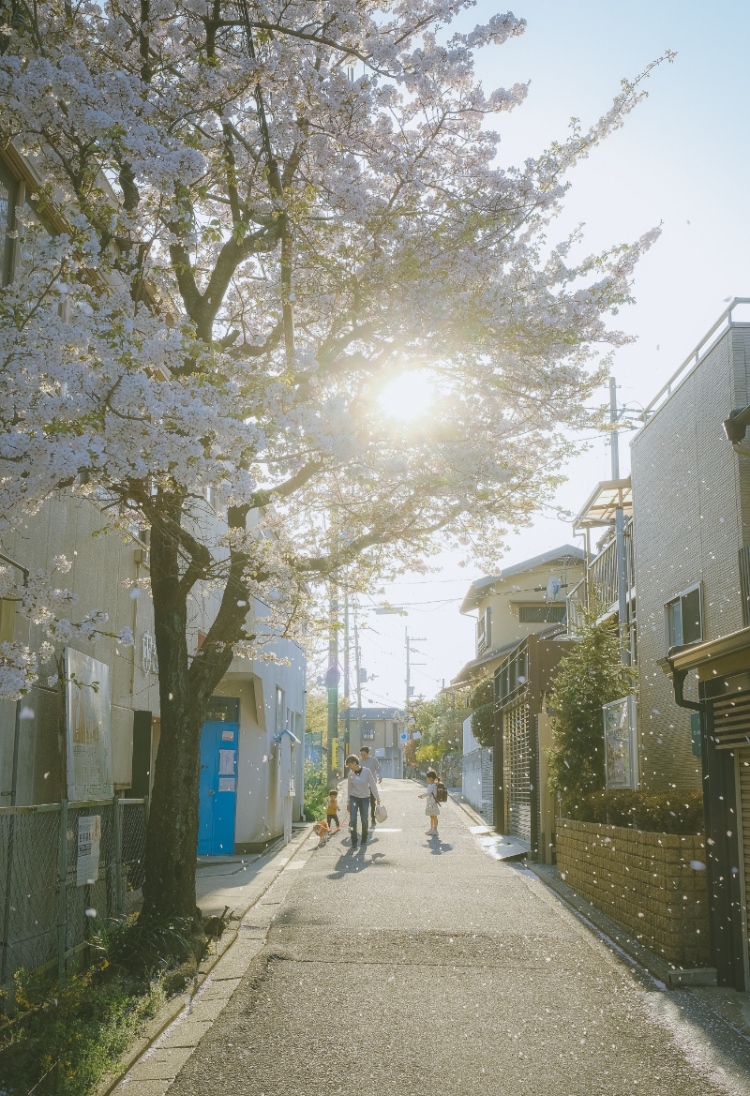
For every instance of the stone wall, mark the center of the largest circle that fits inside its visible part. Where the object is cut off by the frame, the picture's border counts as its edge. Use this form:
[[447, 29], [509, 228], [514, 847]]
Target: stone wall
[[643, 881]]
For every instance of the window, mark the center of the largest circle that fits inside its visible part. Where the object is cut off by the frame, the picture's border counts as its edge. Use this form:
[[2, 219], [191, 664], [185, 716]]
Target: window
[[7, 620], [511, 676], [684, 619], [484, 631], [541, 614], [8, 199], [368, 730], [279, 709], [745, 583]]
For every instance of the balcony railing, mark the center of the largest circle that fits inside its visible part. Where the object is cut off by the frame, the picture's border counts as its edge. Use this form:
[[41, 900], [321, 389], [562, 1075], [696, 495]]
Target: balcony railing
[[599, 586], [602, 575]]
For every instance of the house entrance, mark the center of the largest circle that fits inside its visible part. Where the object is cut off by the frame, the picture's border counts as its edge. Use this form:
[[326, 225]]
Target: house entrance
[[217, 794]]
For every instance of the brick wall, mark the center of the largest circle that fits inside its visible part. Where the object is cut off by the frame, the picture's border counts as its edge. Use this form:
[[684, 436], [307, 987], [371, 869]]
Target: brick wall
[[691, 498], [644, 882]]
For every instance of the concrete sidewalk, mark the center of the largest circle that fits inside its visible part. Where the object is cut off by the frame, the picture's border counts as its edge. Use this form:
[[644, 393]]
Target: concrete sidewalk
[[235, 881], [417, 966]]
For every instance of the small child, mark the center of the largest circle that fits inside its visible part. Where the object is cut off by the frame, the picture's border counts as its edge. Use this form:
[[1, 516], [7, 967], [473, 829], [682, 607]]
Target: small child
[[432, 807], [332, 811]]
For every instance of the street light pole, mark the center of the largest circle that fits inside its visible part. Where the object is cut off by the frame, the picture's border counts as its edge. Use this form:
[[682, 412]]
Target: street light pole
[[347, 717]]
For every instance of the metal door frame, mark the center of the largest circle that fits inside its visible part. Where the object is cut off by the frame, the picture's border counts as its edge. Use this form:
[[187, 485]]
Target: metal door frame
[[215, 725]]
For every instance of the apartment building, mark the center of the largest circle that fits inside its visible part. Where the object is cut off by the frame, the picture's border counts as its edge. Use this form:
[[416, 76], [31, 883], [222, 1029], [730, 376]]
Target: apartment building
[[691, 476]]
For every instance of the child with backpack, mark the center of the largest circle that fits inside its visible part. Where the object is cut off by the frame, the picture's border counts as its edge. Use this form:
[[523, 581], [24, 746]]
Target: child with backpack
[[432, 807]]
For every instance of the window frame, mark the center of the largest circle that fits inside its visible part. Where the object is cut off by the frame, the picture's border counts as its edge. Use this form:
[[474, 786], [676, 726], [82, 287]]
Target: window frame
[[679, 599], [279, 707], [16, 188], [548, 608]]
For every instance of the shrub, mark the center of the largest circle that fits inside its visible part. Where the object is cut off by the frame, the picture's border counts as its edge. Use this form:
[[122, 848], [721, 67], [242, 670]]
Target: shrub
[[590, 676], [669, 812], [316, 792]]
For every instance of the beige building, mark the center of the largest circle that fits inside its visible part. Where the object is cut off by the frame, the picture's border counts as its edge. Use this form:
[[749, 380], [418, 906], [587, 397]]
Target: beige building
[[521, 600], [379, 729]]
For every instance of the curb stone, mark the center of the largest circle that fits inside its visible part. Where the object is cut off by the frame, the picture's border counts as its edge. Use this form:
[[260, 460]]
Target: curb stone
[[209, 993]]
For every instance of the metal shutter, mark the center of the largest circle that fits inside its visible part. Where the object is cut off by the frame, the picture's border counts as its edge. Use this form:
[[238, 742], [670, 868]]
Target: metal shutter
[[518, 747], [731, 722], [743, 798]]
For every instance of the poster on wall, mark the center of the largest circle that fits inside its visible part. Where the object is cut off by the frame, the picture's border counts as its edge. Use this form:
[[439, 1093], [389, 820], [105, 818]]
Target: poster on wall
[[89, 845], [88, 728], [620, 744]]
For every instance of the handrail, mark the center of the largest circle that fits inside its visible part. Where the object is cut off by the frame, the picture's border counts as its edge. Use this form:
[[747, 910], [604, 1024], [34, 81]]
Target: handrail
[[693, 359], [39, 808]]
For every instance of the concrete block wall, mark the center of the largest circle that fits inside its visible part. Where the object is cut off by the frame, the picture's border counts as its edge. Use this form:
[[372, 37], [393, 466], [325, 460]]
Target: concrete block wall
[[688, 491], [646, 882]]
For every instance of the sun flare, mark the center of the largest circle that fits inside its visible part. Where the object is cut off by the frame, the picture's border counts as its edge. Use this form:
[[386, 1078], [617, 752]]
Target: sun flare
[[409, 396]]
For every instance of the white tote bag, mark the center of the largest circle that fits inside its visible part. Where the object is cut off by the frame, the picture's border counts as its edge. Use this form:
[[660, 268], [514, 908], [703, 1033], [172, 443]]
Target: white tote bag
[[380, 813]]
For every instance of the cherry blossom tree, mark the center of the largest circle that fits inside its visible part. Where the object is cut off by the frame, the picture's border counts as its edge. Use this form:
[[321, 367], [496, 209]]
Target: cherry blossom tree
[[256, 214]]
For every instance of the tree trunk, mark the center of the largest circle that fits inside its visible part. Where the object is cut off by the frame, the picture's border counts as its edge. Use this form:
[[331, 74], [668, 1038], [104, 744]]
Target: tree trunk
[[185, 690], [171, 842]]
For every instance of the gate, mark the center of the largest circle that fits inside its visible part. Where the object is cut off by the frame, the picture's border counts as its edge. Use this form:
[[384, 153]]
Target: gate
[[518, 767]]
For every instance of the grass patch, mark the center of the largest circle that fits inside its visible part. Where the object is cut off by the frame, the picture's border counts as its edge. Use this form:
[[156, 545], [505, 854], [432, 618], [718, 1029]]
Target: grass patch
[[63, 1040]]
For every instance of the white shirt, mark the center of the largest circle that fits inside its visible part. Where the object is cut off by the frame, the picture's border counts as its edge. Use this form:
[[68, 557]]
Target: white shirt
[[359, 785]]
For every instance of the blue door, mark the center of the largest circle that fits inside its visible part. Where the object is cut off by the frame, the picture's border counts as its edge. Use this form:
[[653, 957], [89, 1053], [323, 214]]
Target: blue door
[[217, 793]]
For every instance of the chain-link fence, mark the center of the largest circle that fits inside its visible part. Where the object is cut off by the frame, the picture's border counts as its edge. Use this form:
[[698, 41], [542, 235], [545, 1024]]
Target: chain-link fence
[[64, 867]]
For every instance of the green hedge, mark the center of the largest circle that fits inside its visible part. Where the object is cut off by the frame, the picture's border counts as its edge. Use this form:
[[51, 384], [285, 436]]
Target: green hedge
[[672, 812]]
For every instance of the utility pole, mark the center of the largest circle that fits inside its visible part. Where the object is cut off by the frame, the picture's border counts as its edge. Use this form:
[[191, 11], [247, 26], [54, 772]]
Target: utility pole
[[332, 684], [409, 664], [622, 569], [347, 718], [358, 671], [614, 441]]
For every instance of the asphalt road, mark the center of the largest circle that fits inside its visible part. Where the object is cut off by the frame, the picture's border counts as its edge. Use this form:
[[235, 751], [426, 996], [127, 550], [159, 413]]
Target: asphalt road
[[422, 967]]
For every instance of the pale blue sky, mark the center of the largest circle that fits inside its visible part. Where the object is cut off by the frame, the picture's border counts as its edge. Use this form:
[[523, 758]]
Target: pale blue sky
[[683, 159]]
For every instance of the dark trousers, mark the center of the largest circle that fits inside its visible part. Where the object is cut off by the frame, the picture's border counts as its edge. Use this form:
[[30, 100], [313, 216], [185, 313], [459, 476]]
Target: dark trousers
[[333, 819], [372, 808], [358, 806]]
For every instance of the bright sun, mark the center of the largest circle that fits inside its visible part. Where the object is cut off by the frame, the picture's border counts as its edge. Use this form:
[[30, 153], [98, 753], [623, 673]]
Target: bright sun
[[409, 395]]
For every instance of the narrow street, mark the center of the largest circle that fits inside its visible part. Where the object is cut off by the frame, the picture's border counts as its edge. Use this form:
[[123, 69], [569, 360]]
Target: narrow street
[[420, 966]]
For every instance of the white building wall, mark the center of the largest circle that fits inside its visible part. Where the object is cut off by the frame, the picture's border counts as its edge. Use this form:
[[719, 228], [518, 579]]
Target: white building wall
[[259, 817], [470, 742]]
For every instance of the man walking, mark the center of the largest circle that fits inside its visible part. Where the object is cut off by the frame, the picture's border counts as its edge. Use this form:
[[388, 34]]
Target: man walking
[[373, 765]]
